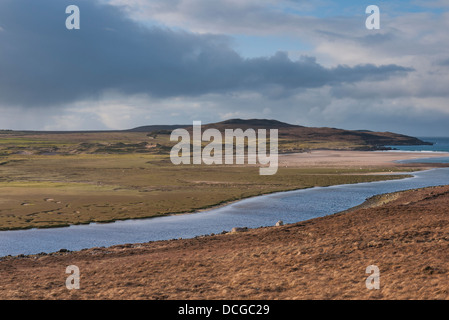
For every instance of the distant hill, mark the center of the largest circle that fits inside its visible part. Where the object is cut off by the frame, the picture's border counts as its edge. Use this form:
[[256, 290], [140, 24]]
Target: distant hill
[[254, 123], [363, 139], [156, 127], [155, 139]]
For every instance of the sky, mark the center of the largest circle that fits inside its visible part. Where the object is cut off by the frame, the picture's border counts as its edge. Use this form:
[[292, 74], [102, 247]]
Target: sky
[[143, 62]]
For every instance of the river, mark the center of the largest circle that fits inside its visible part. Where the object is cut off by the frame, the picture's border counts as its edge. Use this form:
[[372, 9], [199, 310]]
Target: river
[[291, 206]]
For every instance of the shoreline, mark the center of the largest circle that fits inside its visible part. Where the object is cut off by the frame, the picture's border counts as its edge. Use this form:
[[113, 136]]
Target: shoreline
[[217, 206], [351, 159], [374, 201], [371, 202], [227, 203]]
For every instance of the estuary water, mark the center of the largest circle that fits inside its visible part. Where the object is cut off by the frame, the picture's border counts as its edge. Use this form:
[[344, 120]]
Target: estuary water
[[291, 207]]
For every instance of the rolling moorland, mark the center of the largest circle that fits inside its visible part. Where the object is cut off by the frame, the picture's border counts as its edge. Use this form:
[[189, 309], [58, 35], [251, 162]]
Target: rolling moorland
[[156, 139], [54, 179]]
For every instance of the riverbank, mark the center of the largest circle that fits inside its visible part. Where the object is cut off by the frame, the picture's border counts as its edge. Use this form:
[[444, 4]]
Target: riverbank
[[322, 258], [58, 191]]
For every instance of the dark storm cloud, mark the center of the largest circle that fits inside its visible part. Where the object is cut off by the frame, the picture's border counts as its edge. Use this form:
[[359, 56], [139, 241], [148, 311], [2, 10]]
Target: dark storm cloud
[[43, 63]]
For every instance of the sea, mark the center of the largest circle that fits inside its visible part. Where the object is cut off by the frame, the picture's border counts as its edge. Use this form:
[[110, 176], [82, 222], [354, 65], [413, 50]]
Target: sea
[[440, 144]]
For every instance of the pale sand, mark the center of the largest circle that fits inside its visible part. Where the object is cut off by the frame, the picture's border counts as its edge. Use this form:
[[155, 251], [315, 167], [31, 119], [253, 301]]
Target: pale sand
[[353, 159]]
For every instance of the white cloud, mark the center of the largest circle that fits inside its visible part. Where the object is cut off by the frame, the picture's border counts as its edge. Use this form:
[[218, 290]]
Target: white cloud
[[226, 16]]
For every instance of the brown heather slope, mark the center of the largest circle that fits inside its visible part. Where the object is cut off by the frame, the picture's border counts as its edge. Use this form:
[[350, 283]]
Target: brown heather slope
[[407, 237], [155, 139]]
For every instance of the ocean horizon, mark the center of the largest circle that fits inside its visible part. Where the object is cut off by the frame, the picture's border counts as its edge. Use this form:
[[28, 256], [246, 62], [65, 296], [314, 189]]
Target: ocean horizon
[[440, 144]]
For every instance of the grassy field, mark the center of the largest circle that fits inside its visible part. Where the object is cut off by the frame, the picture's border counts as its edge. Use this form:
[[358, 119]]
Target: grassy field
[[53, 180]]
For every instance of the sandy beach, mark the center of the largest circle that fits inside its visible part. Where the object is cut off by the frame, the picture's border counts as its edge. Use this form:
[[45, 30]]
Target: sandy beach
[[362, 159]]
